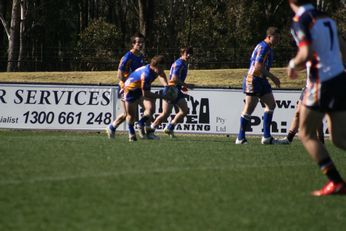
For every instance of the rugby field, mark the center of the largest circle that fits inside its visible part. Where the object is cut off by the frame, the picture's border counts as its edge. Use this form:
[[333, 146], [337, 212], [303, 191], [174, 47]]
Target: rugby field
[[83, 181]]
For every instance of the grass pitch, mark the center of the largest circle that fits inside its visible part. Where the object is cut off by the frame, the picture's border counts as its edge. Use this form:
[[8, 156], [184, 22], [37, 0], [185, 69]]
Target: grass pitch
[[75, 181]]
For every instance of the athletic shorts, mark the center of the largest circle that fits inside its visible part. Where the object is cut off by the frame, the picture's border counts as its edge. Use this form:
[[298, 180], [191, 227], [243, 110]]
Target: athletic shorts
[[131, 96], [256, 86], [328, 96]]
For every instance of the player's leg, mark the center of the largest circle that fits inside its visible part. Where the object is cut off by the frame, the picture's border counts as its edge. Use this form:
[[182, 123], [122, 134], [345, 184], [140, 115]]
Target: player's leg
[[292, 131], [309, 123], [132, 109], [269, 102], [245, 117], [178, 118], [166, 111], [112, 127], [337, 128], [145, 121], [148, 106]]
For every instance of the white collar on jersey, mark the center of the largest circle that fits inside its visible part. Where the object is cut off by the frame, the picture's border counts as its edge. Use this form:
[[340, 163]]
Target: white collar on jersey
[[304, 8]]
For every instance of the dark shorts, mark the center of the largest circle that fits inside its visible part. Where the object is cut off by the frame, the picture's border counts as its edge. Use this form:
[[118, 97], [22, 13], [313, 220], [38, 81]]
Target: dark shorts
[[132, 96], [329, 96], [256, 86]]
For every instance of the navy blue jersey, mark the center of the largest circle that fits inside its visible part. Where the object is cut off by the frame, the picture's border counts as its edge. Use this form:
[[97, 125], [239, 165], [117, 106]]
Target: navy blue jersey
[[130, 62], [261, 54], [179, 68]]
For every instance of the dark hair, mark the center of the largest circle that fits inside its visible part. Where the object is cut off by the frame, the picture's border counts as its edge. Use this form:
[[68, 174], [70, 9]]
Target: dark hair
[[271, 31], [301, 2], [136, 35], [189, 50], [157, 60]]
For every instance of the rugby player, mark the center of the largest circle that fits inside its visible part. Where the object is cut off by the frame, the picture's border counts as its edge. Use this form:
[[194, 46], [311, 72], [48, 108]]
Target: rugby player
[[137, 88], [177, 76], [319, 52], [256, 87], [132, 60]]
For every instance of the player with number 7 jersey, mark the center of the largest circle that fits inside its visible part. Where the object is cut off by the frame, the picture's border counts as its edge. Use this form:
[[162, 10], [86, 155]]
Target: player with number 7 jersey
[[319, 52]]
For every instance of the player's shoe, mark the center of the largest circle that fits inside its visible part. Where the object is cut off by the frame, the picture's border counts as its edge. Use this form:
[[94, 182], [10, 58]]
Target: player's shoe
[[150, 134], [243, 141], [331, 188], [132, 138], [169, 132], [141, 132], [284, 141], [272, 140], [110, 132]]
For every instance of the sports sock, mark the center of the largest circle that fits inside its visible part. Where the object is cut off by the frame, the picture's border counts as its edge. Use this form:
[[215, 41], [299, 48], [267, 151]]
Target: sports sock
[[171, 126], [112, 128], [291, 135], [267, 119], [244, 122], [142, 121], [328, 168], [131, 129]]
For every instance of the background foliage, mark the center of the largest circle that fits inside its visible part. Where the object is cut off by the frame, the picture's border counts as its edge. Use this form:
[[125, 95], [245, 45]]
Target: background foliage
[[94, 34]]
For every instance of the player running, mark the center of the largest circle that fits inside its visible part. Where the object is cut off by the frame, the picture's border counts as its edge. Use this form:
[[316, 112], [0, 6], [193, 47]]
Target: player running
[[132, 60], [177, 76], [319, 52]]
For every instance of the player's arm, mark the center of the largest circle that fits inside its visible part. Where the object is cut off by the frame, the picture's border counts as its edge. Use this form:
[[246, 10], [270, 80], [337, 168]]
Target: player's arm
[[259, 67], [121, 70], [296, 64], [146, 92], [163, 78]]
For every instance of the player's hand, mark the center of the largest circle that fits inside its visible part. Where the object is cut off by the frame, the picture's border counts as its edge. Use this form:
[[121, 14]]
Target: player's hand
[[190, 86], [276, 81], [292, 73], [121, 84]]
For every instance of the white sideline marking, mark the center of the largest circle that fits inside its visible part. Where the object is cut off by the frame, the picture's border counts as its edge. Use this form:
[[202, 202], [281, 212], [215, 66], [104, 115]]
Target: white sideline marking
[[136, 172]]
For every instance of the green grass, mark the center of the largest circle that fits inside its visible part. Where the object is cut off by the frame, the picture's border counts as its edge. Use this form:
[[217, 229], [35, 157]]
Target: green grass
[[76, 181], [202, 78]]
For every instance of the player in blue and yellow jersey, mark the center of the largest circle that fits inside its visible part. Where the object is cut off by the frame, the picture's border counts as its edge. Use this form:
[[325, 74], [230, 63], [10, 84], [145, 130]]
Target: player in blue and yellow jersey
[[325, 95], [177, 76], [132, 60], [256, 87], [137, 87]]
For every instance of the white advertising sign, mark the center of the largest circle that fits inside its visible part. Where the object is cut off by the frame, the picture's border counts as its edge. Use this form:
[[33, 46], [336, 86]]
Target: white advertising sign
[[66, 107], [72, 107], [217, 111]]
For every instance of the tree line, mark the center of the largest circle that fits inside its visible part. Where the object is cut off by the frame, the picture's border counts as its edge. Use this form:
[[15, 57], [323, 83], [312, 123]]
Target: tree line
[[65, 35]]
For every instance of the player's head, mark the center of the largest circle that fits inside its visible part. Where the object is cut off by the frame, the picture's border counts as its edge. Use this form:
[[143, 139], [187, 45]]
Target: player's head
[[137, 41], [157, 63], [186, 52], [300, 2], [273, 35], [295, 4]]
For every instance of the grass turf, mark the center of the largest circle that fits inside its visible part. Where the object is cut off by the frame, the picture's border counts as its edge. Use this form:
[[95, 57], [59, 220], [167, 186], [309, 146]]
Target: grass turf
[[202, 78], [76, 181]]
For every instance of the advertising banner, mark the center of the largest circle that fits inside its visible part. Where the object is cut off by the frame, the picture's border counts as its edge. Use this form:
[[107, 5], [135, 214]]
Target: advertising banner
[[58, 107], [217, 111], [79, 107]]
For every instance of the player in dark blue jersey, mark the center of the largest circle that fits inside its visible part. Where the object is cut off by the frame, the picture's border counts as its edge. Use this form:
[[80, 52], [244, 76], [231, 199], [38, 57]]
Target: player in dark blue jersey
[[256, 87], [177, 76], [325, 95], [137, 88], [132, 60]]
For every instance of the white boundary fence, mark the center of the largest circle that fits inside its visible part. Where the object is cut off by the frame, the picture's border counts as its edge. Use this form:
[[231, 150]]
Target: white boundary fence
[[81, 107]]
